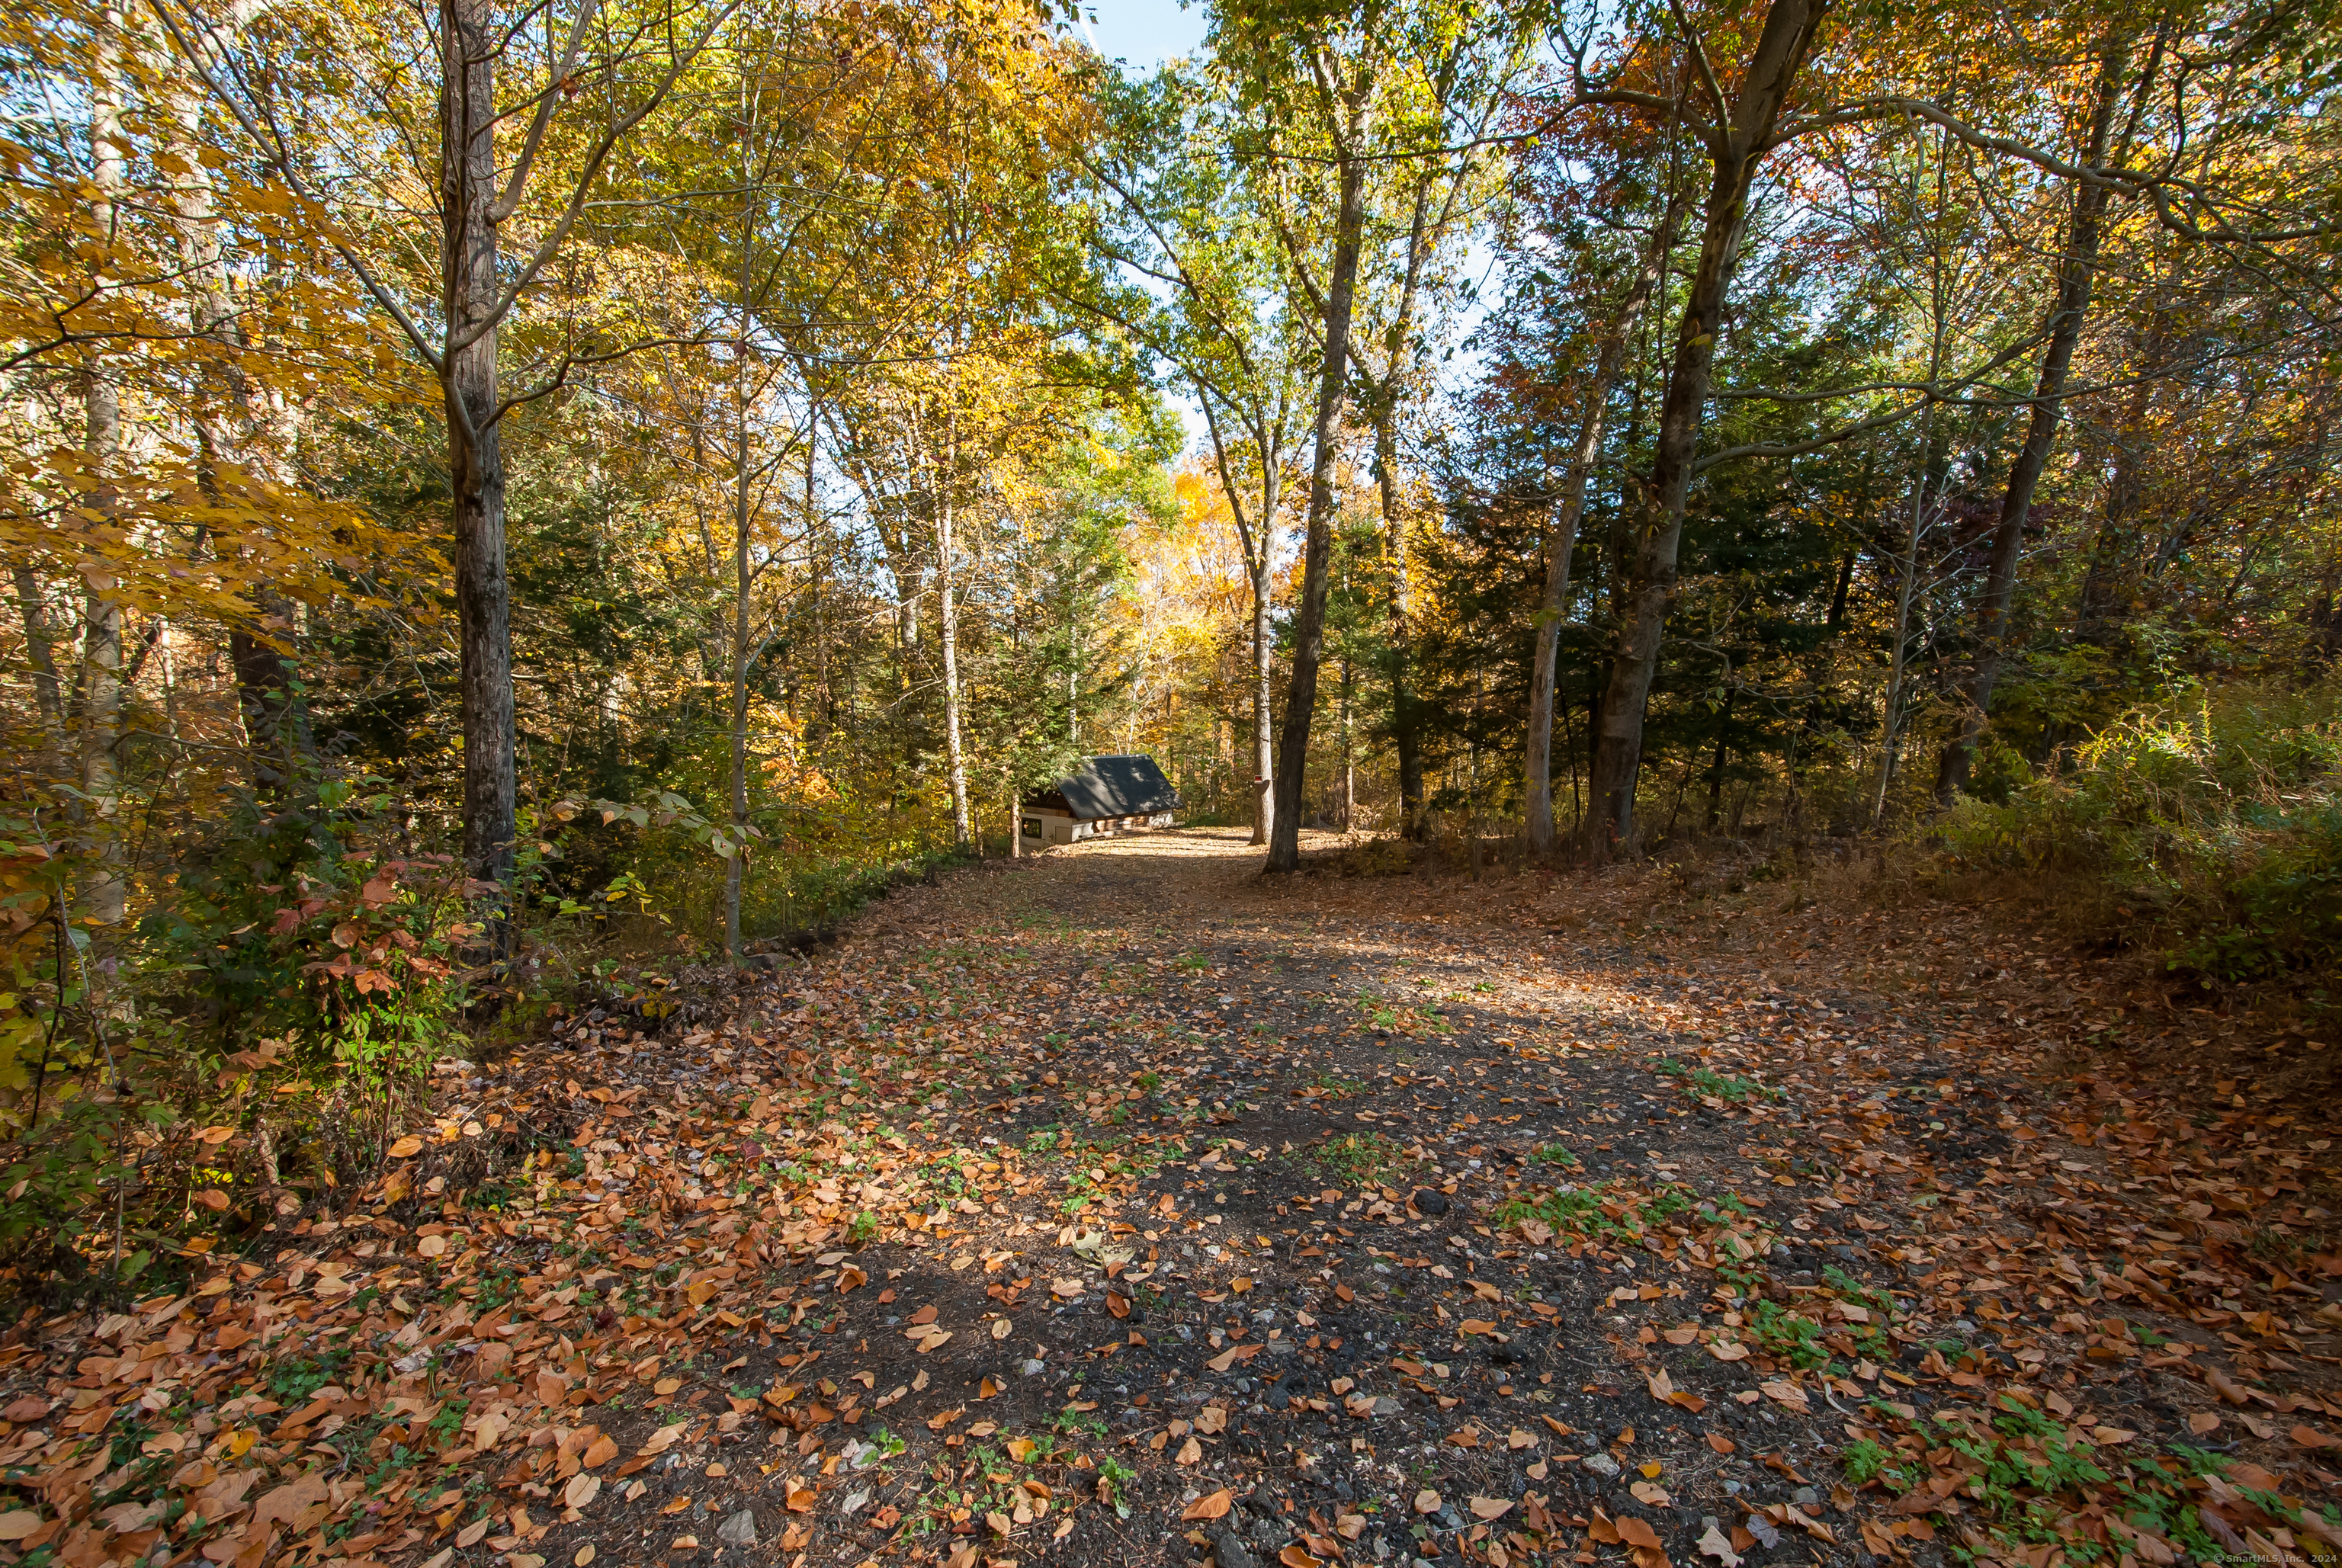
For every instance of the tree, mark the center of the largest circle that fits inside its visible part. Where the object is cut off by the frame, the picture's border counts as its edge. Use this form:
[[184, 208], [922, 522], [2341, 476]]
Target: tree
[[621, 75], [1611, 329], [1318, 81], [2077, 263], [1230, 329], [1738, 132]]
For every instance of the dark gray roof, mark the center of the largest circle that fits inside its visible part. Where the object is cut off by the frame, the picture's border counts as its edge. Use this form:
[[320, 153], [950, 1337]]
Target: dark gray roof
[[1116, 786]]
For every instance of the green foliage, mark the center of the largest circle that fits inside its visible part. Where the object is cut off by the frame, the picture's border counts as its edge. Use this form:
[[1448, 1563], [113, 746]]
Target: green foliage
[[1607, 1210], [1862, 1461], [62, 1177], [1707, 1081], [292, 942], [1355, 1159], [2214, 822]]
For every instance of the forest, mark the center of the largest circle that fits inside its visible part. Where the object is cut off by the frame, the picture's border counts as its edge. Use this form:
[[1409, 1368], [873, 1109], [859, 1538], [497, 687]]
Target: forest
[[506, 499]]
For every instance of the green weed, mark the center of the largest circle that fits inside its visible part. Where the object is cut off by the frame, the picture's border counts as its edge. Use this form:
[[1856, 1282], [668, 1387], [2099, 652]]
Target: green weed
[[1706, 1083], [1353, 1159], [1607, 1210]]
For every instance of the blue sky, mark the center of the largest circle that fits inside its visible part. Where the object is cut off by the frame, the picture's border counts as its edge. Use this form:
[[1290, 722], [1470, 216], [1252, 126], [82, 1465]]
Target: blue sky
[[1143, 34]]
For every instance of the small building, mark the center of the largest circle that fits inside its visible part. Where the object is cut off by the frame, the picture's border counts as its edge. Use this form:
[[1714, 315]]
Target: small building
[[1102, 797]]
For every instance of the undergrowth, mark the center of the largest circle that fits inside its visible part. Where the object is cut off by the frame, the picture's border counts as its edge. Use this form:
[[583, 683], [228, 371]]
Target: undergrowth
[[2212, 825]]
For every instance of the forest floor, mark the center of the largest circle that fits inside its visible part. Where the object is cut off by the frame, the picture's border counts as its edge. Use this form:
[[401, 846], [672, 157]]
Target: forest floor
[[1126, 1207]]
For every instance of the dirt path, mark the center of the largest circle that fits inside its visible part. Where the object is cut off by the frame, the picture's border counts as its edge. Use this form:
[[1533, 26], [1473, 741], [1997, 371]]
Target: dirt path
[[1124, 1207]]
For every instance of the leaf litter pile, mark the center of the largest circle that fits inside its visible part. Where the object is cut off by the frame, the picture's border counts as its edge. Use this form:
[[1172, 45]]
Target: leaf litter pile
[[1123, 1208]]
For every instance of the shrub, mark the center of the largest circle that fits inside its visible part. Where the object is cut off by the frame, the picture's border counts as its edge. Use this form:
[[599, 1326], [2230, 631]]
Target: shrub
[[289, 985], [2216, 823]]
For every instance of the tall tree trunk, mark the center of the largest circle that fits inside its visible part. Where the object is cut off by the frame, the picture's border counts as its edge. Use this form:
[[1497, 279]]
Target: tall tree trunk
[[40, 651], [1561, 538], [1349, 758], [1015, 821], [1382, 414], [1317, 549], [1723, 754], [816, 554], [1263, 649], [2112, 546], [1254, 537], [963, 829], [743, 580], [1647, 588], [2076, 270], [469, 40], [105, 897], [267, 674], [1399, 629], [1906, 560], [1907, 585]]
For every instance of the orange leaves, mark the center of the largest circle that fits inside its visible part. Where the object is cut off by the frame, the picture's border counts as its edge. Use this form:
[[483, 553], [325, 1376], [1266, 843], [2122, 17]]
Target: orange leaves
[[2227, 1387], [1212, 1506]]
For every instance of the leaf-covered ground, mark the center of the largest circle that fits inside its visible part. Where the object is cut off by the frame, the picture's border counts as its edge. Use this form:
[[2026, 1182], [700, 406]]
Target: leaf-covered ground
[[1121, 1207]]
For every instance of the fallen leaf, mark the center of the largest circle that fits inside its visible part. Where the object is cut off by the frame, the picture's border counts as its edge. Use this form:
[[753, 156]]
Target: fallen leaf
[[1713, 1544], [1426, 1501], [1214, 1505], [1489, 1507], [2227, 1387]]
